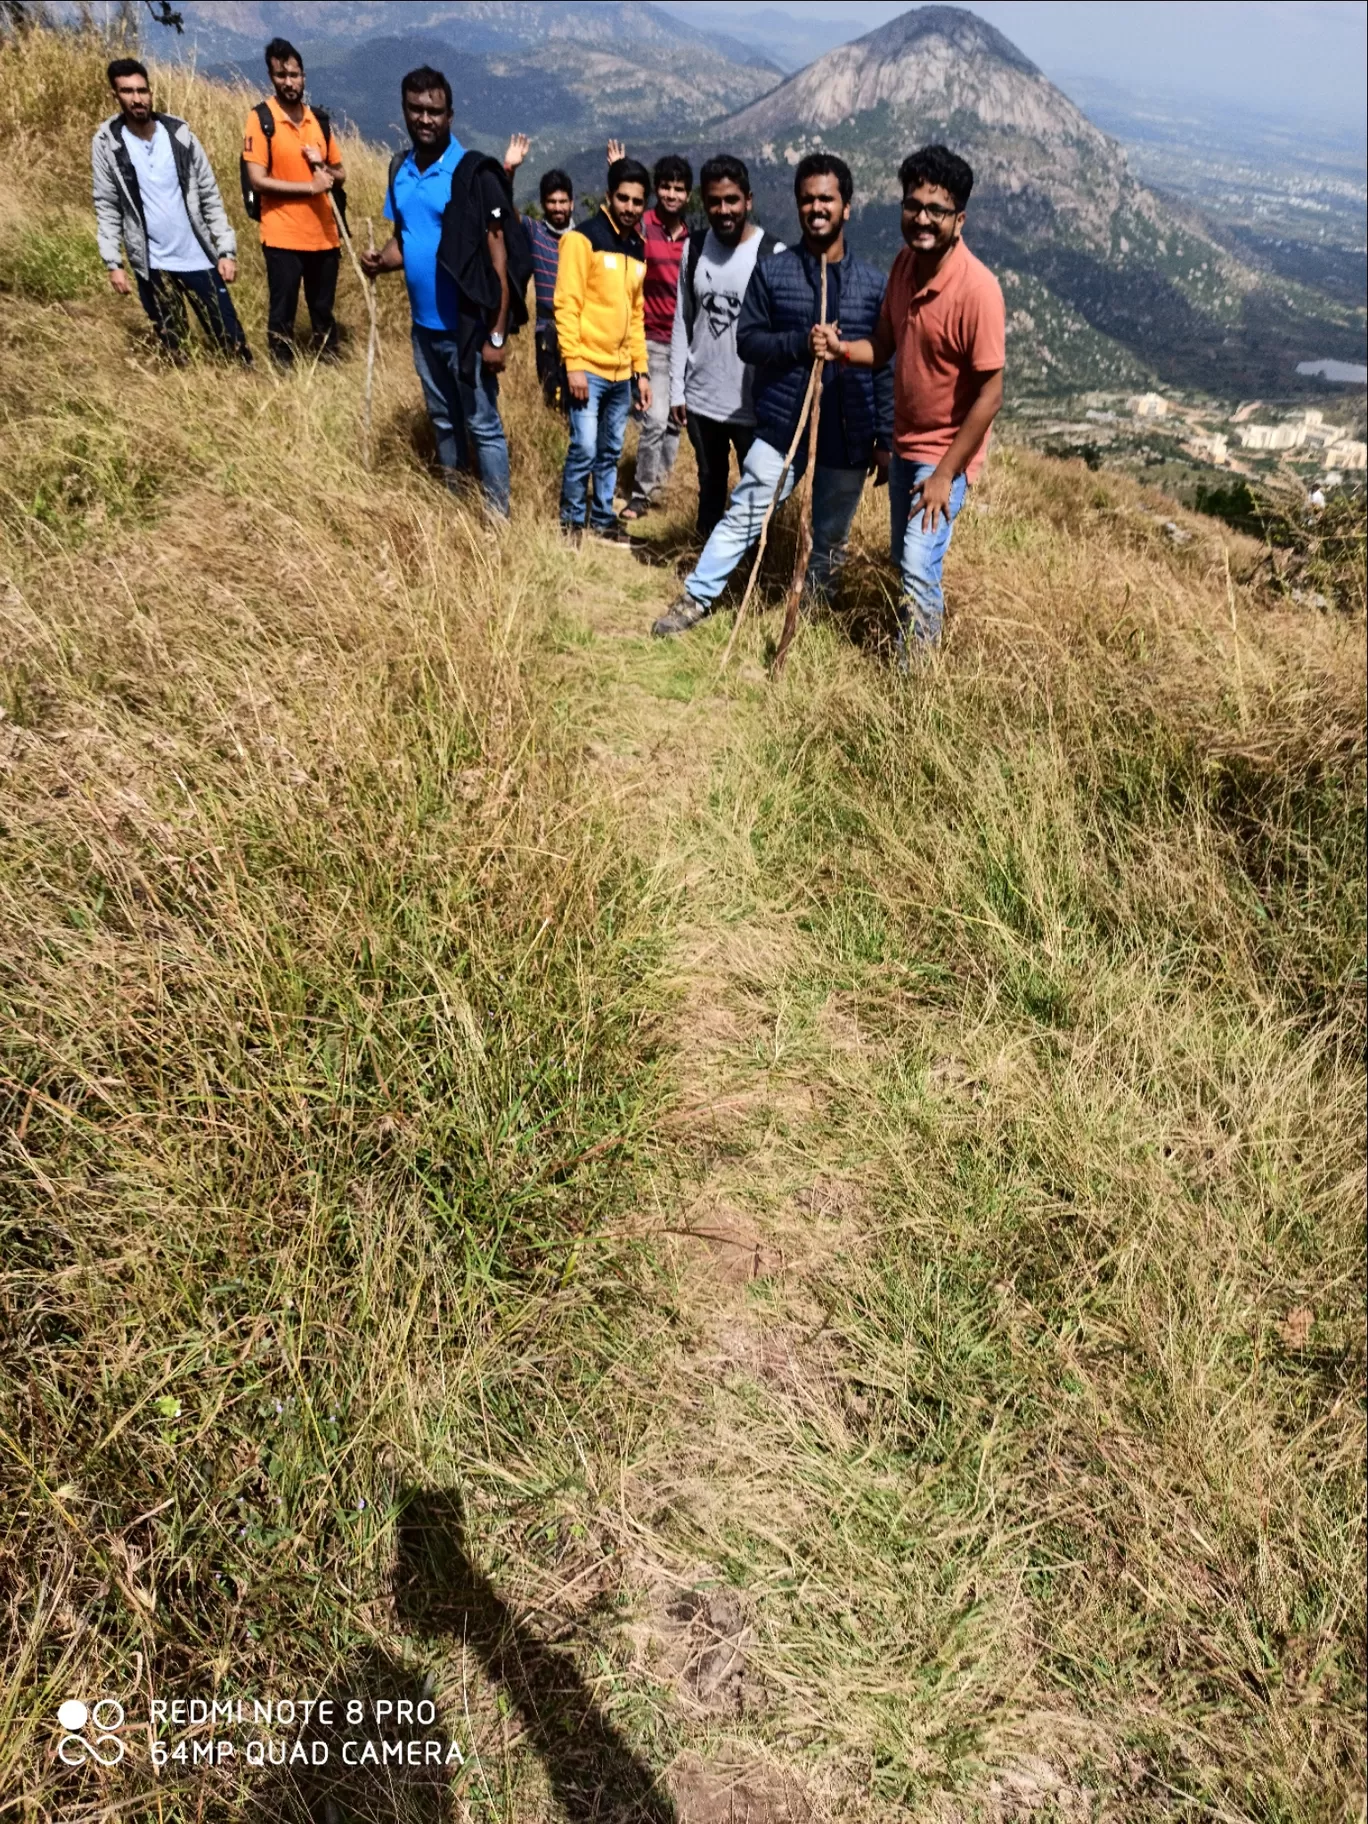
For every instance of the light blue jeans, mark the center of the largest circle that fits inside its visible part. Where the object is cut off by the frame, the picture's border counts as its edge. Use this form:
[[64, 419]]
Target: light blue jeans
[[596, 431], [463, 415], [919, 555], [835, 496]]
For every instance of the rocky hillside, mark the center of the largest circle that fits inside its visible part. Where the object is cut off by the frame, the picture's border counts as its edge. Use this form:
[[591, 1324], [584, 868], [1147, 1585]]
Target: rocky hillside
[[1055, 207], [569, 72], [942, 65]]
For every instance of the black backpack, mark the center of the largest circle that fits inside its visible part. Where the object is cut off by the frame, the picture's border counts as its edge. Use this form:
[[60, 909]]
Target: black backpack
[[697, 236], [251, 202]]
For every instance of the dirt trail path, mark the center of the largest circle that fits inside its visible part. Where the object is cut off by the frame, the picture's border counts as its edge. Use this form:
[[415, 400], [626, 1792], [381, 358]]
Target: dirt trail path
[[772, 1200]]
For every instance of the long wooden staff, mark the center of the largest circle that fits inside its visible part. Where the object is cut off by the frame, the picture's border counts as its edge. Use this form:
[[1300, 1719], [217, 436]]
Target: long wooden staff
[[369, 289], [804, 553], [372, 340], [783, 477]]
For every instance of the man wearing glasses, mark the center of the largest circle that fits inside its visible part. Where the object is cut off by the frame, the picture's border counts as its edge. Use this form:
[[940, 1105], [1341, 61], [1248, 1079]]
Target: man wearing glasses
[[943, 320]]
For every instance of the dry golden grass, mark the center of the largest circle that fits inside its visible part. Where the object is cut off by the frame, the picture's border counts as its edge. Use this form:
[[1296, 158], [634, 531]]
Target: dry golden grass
[[858, 1185]]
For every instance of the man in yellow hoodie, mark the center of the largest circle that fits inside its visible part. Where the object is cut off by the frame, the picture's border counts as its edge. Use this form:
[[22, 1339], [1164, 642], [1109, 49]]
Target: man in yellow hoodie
[[601, 328]]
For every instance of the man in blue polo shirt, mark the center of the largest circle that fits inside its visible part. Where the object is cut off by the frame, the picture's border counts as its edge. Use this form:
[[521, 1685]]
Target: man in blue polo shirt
[[462, 395]]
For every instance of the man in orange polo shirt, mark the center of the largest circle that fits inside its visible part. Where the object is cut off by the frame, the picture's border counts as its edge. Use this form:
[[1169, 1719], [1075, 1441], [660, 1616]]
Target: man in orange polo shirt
[[944, 320], [292, 169]]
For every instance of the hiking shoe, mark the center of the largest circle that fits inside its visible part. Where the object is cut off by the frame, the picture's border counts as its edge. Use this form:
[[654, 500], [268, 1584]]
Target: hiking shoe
[[611, 535], [686, 613]]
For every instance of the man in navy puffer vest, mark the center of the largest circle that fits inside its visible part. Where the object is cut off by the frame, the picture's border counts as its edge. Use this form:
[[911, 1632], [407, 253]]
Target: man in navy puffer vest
[[775, 334]]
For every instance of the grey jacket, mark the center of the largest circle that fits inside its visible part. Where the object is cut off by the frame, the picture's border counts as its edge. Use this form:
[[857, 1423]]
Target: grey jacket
[[118, 201]]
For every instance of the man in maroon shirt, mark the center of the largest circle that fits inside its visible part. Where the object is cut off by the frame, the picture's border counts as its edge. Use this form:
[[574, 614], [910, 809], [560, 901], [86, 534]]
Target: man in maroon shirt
[[666, 234]]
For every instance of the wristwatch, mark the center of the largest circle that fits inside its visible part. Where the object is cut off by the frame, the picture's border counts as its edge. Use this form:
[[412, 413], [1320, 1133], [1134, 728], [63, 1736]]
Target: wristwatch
[[495, 339]]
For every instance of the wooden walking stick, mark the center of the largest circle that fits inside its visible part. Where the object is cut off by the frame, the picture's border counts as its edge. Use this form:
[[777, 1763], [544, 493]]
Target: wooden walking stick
[[812, 387], [372, 340], [804, 555], [368, 287]]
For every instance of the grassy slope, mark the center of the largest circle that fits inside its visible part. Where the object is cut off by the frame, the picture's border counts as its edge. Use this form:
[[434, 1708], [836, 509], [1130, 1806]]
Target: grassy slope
[[857, 1186]]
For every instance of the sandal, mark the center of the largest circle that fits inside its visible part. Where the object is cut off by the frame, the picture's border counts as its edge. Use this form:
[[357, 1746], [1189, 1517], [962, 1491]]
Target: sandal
[[635, 509]]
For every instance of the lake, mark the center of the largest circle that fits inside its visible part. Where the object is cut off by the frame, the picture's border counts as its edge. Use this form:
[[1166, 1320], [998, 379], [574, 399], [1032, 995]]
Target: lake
[[1345, 371]]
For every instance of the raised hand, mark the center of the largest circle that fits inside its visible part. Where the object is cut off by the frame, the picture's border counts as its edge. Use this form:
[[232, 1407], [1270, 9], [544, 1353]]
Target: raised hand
[[616, 150], [517, 151]]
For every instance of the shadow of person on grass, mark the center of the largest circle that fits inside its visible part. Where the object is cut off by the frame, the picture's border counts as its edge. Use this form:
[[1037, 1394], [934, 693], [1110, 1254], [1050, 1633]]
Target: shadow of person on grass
[[440, 1593], [341, 1773], [440, 1598]]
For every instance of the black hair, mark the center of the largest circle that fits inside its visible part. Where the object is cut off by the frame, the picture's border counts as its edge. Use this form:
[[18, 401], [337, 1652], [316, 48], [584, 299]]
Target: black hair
[[725, 169], [127, 66], [554, 180], [425, 81], [940, 167], [280, 50], [824, 164], [672, 168], [627, 171]]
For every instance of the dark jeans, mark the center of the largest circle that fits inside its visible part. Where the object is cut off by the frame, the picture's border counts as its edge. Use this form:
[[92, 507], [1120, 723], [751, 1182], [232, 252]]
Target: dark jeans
[[713, 441], [285, 271], [163, 297], [551, 370], [464, 413]]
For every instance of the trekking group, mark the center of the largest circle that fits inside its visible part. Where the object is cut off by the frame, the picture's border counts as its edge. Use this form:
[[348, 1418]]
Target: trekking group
[[710, 331]]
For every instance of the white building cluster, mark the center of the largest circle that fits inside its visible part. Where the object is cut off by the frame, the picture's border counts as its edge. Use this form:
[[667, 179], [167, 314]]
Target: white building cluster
[[1308, 431], [1332, 444]]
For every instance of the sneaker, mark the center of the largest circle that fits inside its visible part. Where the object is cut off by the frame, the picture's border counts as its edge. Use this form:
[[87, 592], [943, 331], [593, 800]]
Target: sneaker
[[686, 613]]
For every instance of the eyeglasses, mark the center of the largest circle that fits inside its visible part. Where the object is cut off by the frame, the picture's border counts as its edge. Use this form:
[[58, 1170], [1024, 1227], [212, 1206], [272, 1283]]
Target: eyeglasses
[[935, 212]]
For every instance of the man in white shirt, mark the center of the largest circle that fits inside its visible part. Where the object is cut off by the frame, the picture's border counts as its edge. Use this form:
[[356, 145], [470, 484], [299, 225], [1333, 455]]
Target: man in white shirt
[[156, 194], [710, 389]]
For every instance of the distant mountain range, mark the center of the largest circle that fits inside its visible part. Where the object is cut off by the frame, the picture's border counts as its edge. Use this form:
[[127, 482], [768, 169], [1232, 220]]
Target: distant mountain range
[[1088, 255], [1107, 284], [568, 71]]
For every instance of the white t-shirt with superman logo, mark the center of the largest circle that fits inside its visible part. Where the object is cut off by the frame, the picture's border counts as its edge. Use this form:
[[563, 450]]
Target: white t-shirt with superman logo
[[706, 374]]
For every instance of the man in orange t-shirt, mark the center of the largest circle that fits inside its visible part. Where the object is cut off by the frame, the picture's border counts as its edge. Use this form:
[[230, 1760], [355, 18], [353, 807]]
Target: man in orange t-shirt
[[292, 169], [943, 319]]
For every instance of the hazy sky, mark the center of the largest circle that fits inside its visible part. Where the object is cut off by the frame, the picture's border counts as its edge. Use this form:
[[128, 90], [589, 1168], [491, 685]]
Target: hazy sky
[[1276, 56]]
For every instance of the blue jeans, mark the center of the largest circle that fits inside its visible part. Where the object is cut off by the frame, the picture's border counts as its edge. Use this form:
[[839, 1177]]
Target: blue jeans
[[835, 496], [919, 555], [596, 431], [163, 296], [463, 413]]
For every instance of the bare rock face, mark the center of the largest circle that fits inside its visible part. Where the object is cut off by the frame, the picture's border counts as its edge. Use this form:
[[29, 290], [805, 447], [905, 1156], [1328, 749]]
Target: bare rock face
[[941, 73], [937, 60]]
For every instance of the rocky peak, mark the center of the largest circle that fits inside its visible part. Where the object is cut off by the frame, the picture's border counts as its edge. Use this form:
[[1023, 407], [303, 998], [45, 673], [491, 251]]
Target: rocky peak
[[940, 72], [963, 31], [933, 63]]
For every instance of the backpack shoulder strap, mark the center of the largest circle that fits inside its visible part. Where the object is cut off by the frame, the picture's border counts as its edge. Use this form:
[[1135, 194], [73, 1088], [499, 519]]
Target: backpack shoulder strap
[[267, 120], [324, 119], [396, 160], [697, 236]]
